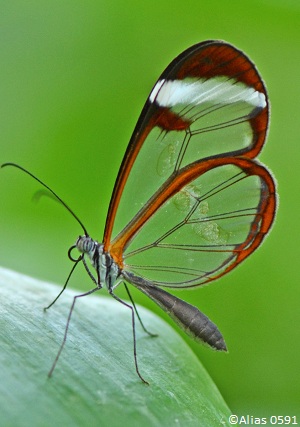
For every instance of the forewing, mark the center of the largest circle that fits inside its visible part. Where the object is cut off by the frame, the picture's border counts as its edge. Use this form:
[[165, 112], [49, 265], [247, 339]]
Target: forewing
[[209, 102]]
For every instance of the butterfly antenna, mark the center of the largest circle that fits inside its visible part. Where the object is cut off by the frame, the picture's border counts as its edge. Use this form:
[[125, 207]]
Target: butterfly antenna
[[51, 191]]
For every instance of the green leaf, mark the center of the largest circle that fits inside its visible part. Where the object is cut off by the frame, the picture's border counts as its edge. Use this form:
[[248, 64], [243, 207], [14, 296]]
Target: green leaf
[[95, 382]]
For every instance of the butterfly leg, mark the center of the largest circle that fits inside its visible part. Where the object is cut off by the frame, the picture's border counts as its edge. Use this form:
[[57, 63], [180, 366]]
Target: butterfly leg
[[133, 332], [65, 285], [67, 327], [137, 313]]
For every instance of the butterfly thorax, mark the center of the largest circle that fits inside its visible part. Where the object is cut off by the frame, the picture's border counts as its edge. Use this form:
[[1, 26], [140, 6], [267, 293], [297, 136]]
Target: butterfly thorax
[[106, 268]]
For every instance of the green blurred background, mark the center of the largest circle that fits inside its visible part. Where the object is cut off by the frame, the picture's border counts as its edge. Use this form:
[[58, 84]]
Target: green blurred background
[[74, 76]]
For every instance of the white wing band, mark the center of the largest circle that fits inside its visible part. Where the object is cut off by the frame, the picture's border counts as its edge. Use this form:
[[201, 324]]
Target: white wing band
[[218, 90]]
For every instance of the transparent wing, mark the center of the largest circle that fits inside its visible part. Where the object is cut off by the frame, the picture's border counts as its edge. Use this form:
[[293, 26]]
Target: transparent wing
[[189, 203], [209, 102]]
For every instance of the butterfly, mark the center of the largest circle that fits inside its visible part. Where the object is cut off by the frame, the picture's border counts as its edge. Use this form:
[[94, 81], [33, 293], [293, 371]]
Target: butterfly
[[190, 201]]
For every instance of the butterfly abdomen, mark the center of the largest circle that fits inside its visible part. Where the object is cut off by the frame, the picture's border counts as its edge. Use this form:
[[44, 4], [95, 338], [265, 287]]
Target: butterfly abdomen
[[188, 317]]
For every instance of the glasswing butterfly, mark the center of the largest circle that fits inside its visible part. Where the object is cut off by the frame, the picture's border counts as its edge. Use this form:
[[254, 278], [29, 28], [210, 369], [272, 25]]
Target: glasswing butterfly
[[190, 201]]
